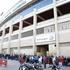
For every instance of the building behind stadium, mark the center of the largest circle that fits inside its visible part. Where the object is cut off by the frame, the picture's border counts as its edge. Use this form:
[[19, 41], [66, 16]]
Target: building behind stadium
[[36, 27]]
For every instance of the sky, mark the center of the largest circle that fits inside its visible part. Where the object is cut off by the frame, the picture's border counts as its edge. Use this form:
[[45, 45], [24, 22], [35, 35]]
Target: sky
[[5, 5]]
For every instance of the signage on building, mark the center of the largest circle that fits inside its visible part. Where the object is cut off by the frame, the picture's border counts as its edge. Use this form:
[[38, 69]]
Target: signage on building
[[45, 37]]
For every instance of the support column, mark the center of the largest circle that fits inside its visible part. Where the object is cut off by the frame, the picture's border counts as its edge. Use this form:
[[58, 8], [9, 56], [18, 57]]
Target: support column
[[20, 28], [3, 34], [56, 28], [34, 32], [9, 46]]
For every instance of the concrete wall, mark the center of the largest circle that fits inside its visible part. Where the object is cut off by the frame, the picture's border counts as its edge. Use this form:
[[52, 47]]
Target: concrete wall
[[28, 41], [27, 50], [64, 36], [65, 49]]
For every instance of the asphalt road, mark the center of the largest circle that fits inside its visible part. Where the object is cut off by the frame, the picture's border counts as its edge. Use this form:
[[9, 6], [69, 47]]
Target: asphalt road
[[14, 65]]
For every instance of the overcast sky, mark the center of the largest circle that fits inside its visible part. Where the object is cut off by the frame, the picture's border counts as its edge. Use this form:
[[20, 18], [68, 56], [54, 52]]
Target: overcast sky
[[5, 5]]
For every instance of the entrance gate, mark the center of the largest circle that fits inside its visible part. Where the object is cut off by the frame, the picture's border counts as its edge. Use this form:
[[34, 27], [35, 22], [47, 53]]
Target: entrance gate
[[42, 49]]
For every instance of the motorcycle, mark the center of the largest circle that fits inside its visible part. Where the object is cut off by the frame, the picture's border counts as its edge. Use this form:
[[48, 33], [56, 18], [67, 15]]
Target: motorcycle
[[55, 67], [37, 66], [31, 67]]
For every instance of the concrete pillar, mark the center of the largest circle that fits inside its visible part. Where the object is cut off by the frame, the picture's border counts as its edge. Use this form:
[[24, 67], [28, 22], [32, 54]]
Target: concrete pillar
[[34, 31], [10, 32], [20, 28], [52, 49], [3, 34], [56, 28]]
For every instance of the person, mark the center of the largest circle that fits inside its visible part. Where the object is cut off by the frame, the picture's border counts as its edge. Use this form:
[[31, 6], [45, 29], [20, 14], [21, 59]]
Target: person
[[35, 58], [44, 61], [40, 59], [55, 63], [61, 61], [22, 61]]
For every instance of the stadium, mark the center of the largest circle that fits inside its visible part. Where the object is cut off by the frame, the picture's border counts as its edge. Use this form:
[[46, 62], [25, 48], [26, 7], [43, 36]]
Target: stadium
[[36, 27]]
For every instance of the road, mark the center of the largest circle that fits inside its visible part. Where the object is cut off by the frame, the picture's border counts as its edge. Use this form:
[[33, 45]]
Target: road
[[14, 65]]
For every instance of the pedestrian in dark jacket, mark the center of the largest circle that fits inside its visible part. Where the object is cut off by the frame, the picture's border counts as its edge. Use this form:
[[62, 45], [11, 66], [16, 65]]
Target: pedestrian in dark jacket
[[22, 60], [44, 61]]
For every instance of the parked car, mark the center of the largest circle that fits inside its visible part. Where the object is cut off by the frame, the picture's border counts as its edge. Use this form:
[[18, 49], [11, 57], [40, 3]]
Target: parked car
[[3, 62]]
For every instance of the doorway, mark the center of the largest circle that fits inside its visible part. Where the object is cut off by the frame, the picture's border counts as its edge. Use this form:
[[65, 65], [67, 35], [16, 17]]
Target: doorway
[[42, 49]]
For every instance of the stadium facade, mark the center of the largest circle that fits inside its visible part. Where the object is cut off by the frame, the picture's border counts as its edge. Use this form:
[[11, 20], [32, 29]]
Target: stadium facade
[[36, 26]]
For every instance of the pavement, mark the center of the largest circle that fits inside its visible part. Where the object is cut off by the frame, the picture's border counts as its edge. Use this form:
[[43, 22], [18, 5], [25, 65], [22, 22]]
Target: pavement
[[14, 65], [11, 65]]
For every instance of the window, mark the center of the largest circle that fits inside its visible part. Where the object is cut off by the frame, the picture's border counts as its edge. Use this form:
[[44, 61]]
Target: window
[[26, 34], [68, 25], [64, 26], [40, 31], [63, 9], [60, 26], [52, 28], [28, 22], [0, 40], [1, 33], [14, 37], [48, 29], [45, 15], [7, 30], [16, 26], [5, 39]]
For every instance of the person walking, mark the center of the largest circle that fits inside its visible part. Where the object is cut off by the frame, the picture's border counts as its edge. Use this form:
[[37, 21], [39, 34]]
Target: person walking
[[44, 61], [22, 61]]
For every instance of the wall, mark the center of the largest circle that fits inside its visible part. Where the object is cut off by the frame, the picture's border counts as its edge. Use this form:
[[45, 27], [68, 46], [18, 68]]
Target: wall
[[65, 49], [27, 50]]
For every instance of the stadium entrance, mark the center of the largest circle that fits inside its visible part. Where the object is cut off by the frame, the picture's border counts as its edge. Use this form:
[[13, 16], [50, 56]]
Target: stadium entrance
[[42, 49]]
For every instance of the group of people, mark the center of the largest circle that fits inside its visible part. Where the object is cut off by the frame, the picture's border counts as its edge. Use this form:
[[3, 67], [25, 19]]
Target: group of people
[[41, 59], [22, 58], [30, 60], [9, 56]]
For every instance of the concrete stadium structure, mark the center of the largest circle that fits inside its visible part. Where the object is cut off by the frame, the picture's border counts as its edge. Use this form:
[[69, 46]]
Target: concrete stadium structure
[[36, 26]]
